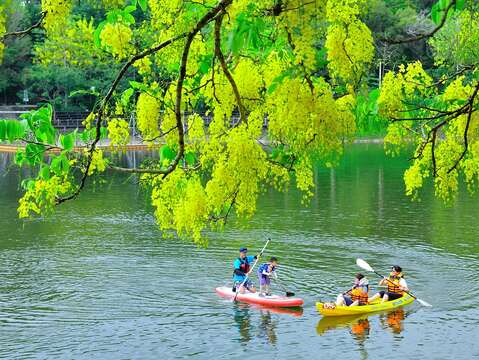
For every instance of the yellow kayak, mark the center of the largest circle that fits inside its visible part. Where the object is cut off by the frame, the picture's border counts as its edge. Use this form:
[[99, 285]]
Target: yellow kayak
[[356, 310]]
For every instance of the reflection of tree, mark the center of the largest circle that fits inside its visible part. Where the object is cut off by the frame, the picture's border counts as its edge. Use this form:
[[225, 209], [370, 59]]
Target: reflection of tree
[[268, 327], [242, 318], [393, 320]]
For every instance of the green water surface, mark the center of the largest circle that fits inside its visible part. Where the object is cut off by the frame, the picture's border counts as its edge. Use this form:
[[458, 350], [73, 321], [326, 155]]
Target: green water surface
[[95, 281]]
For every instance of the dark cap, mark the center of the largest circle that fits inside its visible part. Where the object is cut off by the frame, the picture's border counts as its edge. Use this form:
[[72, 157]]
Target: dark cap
[[243, 249]]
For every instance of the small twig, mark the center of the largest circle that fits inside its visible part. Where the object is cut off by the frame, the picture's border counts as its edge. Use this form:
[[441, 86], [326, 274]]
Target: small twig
[[26, 31]]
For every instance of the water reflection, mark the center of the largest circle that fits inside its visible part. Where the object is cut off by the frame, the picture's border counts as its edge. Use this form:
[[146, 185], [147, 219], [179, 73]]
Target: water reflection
[[247, 321], [393, 320], [360, 325], [242, 319], [267, 327]]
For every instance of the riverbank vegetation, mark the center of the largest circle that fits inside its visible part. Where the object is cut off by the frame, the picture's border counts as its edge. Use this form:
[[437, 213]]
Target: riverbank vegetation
[[320, 72]]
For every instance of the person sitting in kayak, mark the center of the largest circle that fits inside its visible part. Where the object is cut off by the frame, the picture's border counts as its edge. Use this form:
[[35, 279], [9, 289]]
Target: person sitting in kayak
[[265, 272], [242, 266], [358, 295], [396, 286]]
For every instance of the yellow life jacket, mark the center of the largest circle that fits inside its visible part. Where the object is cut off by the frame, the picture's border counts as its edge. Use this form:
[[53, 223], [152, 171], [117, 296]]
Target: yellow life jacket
[[393, 283], [360, 294]]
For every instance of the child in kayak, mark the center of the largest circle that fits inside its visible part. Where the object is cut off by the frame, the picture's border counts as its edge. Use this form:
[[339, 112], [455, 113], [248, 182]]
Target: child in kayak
[[242, 266], [358, 295], [265, 272], [396, 286]]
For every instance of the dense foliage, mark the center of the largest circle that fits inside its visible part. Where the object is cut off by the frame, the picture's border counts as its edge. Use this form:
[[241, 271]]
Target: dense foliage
[[307, 67]]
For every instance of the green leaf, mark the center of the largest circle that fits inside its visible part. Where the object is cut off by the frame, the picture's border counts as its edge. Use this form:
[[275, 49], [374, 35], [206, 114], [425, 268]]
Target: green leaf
[[14, 130], [128, 18], [190, 158], [129, 9], [19, 157], [34, 153], [96, 34], [3, 130], [67, 141], [139, 86], [436, 14], [167, 153], [443, 4], [103, 132], [460, 4], [28, 184], [44, 172], [143, 4], [126, 95]]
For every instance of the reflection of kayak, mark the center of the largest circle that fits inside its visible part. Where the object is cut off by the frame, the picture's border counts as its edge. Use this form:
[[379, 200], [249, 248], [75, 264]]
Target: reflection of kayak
[[254, 298], [375, 306], [295, 311], [335, 322]]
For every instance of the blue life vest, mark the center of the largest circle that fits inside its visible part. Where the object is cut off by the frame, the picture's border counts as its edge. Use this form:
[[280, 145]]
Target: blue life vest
[[265, 267]]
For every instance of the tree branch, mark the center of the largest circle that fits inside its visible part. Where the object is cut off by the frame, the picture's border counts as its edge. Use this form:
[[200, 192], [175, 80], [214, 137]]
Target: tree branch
[[26, 31], [426, 35], [209, 16], [224, 67]]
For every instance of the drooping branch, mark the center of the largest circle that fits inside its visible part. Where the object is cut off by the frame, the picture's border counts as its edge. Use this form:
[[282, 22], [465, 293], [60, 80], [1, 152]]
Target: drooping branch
[[22, 33], [209, 16], [466, 129], [224, 67], [426, 35]]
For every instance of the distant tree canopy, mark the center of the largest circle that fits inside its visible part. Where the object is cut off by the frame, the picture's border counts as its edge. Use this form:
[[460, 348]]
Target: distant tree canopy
[[310, 68]]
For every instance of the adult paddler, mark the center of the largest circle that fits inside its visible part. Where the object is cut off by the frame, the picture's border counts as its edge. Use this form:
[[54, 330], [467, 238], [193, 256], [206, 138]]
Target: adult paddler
[[242, 266], [396, 285]]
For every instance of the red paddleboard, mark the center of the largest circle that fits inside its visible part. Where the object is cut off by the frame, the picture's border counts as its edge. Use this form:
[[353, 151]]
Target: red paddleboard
[[254, 298]]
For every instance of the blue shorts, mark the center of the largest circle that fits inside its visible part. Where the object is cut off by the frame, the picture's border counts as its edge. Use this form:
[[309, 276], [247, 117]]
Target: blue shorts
[[347, 300], [247, 284]]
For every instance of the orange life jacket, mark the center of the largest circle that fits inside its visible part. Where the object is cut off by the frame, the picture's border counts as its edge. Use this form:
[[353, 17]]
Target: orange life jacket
[[360, 294], [393, 283]]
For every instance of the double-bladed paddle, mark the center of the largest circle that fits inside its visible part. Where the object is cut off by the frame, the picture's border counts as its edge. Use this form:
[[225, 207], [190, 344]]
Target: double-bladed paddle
[[364, 265]]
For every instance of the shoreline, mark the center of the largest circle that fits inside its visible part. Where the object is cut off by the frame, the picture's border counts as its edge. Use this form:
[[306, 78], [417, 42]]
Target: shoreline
[[12, 148]]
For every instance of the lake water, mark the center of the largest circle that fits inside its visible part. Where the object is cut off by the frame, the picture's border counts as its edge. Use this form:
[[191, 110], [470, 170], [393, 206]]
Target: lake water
[[96, 281]]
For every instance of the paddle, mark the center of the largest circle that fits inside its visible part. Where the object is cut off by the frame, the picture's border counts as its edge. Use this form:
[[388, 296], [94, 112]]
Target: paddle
[[364, 265], [288, 293], [251, 269]]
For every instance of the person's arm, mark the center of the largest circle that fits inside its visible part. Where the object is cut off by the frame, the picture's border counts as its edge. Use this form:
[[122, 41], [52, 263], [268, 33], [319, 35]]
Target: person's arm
[[251, 259], [403, 285]]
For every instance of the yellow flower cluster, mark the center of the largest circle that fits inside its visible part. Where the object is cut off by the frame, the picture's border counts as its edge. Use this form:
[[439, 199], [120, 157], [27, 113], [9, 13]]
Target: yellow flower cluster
[[403, 86], [113, 4], [118, 132], [41, 197], [349, 41], [73, 45], [56, 14], [143, 66], [147, 116], [117, 39], [98, 163]]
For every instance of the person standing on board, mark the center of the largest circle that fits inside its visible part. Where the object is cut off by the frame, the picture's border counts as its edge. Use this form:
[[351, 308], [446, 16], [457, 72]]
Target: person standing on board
[[265, 272], [242, 266], [396, 286]]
